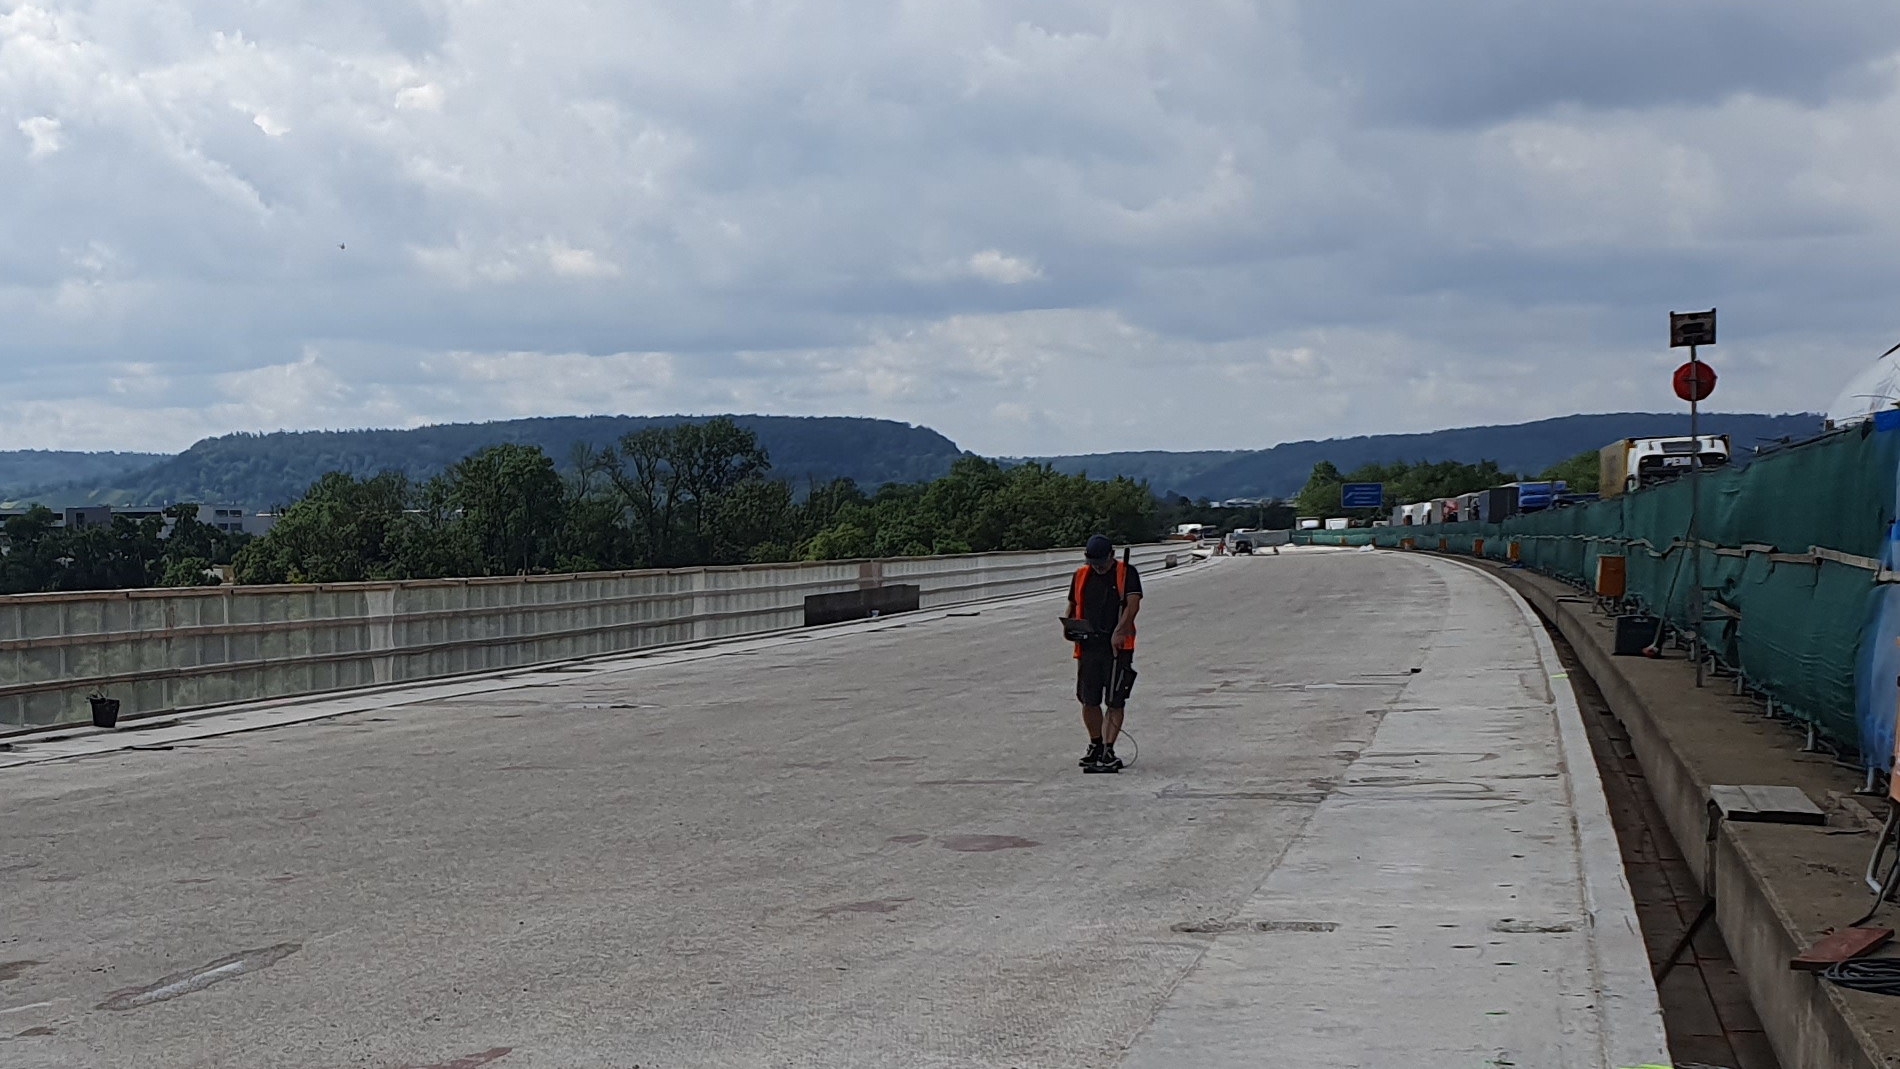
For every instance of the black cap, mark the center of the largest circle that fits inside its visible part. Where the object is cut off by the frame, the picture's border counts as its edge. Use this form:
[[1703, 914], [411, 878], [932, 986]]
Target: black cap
[[1099, 548]]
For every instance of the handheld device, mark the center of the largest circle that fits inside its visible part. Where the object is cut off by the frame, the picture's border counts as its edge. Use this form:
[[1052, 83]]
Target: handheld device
[[1076, 630]]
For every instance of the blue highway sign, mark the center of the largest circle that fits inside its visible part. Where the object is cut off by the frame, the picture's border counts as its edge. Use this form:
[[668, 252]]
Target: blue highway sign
[[1362, 496]]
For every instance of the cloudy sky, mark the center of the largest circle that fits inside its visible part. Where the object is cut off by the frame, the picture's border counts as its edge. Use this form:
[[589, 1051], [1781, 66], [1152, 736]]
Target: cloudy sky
[[1049, 226]]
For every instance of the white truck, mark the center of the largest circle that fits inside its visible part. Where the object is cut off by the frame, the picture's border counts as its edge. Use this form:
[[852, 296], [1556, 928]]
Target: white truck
[[1633, 463]]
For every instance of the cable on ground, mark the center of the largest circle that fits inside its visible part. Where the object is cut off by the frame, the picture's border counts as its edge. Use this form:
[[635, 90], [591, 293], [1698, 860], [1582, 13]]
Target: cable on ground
[[1876, 976], [1129, 761]]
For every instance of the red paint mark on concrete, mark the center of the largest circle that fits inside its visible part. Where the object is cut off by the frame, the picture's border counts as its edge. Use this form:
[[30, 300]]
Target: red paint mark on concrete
[[876, 905], [473, 1061], [983, 844]]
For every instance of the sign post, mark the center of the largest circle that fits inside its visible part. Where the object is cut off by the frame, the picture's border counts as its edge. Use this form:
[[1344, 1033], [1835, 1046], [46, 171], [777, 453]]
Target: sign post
[[1694, 382]]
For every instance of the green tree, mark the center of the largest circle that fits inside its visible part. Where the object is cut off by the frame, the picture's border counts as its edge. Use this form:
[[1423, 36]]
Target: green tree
[[511, 502], [845, 540], [639, 470], [671, 481], [430, 541], [121, 555], [594, 535], [592, 538], [1320, 495], [190, 537], [823, 504], [339, 532], [34, 552], [752, 523], [188, 571], [713, 460]]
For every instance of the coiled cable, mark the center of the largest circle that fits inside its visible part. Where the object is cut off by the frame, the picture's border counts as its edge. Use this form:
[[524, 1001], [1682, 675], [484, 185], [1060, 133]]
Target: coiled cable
[[1877, 976]]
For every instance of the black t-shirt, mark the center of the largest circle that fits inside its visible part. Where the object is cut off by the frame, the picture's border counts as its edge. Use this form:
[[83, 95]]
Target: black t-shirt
[[1100, 606]]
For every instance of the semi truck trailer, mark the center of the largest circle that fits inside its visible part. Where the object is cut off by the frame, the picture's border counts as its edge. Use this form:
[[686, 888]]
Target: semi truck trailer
[[1633, 463]]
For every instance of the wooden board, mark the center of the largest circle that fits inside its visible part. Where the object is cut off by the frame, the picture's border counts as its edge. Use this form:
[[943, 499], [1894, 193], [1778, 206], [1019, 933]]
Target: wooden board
[[1842, 945], [1758, 804]]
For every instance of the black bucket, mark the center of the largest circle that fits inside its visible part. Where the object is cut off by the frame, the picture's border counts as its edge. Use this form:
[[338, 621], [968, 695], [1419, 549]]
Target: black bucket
[[105, 711], [1634, 632]]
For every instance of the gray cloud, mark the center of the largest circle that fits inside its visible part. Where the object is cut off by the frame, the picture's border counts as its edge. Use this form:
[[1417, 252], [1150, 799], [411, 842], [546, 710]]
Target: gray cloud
[[1036, 227], [1481, 61]]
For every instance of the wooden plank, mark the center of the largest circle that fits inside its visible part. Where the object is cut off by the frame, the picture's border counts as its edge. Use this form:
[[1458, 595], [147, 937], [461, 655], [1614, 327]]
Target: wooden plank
[[1761, 804], [1842, 945]]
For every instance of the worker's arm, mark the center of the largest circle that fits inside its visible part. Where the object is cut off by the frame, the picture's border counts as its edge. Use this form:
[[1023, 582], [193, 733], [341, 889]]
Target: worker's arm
[[1131, 606]]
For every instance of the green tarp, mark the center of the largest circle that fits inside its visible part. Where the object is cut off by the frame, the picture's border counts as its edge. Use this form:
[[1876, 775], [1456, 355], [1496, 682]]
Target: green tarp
[[1794, 624]]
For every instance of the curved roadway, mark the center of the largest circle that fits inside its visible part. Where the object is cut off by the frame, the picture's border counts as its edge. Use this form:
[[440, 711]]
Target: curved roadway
[[1352, 837]]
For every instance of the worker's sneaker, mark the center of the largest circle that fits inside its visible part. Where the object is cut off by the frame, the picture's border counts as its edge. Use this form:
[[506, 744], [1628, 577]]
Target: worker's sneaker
[[1108, 762], [1094, 755]]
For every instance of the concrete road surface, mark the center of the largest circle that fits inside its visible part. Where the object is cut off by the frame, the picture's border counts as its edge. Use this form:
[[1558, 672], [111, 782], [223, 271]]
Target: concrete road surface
[[1355, 835]]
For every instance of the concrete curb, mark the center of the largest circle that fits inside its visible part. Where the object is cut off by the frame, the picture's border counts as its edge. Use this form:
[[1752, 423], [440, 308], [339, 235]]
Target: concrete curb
[[1629, 1007], [1806, 1021]]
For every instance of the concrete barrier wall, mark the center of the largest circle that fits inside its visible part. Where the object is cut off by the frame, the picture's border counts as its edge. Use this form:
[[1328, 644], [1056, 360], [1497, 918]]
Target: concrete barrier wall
[[172, 649]]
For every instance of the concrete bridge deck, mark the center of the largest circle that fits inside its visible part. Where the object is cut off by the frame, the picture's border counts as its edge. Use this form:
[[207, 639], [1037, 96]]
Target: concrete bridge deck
[[1362, 830]]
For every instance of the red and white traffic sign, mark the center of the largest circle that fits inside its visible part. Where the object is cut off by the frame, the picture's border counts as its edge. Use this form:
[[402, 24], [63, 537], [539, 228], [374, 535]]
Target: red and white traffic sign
[[1695, 381]]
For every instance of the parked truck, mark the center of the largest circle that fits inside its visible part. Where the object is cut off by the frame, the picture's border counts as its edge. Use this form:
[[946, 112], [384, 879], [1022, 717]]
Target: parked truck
[[1497, 503], [1537, 496], [1633, 463]]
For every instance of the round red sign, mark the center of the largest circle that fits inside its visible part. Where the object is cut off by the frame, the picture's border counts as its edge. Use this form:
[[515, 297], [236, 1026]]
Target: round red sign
[[1695, 381]]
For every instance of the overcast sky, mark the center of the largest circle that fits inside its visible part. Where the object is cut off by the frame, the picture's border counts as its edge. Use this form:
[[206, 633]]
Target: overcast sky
[[1039, 227]]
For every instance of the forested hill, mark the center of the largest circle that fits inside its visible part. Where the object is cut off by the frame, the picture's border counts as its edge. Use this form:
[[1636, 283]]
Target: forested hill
[[263, 470], [24, 468], [1520, 447]]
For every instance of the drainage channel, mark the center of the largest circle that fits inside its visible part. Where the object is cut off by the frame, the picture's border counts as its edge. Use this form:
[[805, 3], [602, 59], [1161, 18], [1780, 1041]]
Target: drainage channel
[[1706, 1009]]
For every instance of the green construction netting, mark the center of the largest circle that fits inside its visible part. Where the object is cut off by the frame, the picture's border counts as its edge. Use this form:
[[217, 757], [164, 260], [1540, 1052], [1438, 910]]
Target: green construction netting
[[1795, 628]]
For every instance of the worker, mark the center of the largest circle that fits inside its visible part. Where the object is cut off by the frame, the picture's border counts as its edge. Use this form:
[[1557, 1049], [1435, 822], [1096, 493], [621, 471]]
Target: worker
[[1104, 598]]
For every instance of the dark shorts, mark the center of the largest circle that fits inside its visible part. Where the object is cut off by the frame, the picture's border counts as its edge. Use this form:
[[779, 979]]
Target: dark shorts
[[1099, 675]]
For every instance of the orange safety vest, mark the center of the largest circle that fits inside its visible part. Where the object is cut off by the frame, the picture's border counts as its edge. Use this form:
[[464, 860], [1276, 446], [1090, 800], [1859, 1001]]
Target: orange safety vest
[[1121, 595]]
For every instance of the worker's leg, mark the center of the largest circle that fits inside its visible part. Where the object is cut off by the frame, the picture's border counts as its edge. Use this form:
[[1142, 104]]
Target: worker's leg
[[1092, 720], [1112, 724], [1091, 686]]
